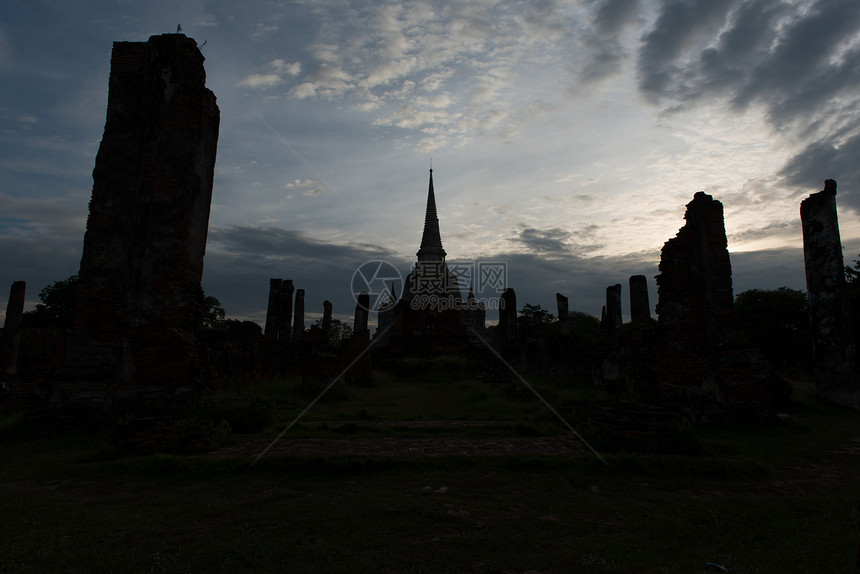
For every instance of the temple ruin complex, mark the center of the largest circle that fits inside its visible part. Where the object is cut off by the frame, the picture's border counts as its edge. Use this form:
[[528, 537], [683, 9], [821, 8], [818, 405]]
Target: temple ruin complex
[[429, 317]]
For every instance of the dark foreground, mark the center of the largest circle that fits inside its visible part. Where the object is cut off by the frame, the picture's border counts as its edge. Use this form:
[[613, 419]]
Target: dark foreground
[[776, 496]]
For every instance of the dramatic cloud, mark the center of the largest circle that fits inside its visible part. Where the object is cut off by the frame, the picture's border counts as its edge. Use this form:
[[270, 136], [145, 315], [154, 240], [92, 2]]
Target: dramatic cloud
[[566, 136], [375, 55], [260, 81], [548, 241], [279, 70], [611, 16], [829, 159], [665, 48], [800, 61], [240, 260], [604, 50]]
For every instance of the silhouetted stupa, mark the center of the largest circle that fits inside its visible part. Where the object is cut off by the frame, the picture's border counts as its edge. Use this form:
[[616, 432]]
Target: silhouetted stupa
[[428, 318]]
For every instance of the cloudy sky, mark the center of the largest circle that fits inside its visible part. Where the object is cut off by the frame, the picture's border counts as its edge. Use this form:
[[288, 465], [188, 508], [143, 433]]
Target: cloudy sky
[[566, 137]]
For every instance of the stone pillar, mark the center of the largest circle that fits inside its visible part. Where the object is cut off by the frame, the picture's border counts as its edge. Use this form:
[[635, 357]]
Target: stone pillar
[[613, 314], [694, 287], [138, 300], [326, 320], [273, 310], [833, 338], [563, 314], [299, 319], [475, 314], [507, 318], [613, 307], [9, 342], [385, 318], [285, 319], [15, 308], [640, 306], [362, 309]]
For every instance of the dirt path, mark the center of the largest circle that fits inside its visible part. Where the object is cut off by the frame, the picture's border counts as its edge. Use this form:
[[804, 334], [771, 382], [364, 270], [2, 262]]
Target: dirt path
[[409, 446]]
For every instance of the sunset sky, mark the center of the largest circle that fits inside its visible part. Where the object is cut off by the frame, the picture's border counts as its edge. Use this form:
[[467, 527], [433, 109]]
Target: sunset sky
[[566, 137]]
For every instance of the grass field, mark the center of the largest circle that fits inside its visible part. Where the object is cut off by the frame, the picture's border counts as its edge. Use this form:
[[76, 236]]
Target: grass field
[[774, 495]]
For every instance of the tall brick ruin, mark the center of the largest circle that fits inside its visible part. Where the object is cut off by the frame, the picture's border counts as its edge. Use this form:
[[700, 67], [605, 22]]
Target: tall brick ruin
[[699, 352], [507, 328], [10, 335], [362, 310], [832, 335], [640, 307], [139, 299], [612, 317], [563, 310], [694, 287], [279, 313], [326, 320], [299, 315]]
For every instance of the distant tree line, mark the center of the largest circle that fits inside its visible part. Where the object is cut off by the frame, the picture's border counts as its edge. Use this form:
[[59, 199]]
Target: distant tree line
[[776, 321], [57, 302]]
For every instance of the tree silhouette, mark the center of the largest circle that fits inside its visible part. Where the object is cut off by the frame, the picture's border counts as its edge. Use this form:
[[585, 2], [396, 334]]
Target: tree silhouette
[[537, 314], [55, 309], [213, 313], [777, 322]]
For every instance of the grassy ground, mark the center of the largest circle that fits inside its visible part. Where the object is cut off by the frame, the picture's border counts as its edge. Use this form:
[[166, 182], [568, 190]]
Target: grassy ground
[[774, 496]]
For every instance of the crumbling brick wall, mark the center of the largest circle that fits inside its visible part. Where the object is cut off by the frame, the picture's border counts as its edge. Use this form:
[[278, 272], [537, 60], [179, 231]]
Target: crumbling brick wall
[[698, 352], [829, 309], [139, 298]]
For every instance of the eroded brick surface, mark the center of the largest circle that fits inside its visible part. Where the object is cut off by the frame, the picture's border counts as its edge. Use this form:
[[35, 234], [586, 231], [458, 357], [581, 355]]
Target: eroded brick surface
[[139, 299]]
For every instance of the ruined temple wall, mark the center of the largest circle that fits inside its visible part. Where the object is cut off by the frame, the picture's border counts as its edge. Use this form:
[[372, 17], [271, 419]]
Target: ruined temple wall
[[10, 339], [640, 307], [299, 316], [284, 320], [694, 287], [829, 309], [698, 350], [326, 320], [139, 297], [612, 318], [563, 313], [273, 308]]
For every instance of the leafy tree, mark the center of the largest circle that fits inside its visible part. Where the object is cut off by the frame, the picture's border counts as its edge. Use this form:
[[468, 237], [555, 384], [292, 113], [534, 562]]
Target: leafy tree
[[537, 322], [537, 314], [777, 322], [584, 327], [339, 331], [213, 314], [57, 301], [852, 275], [852, 280]]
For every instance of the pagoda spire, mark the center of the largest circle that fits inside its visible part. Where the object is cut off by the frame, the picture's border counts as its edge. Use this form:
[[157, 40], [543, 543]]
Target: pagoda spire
[[431, 241]]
